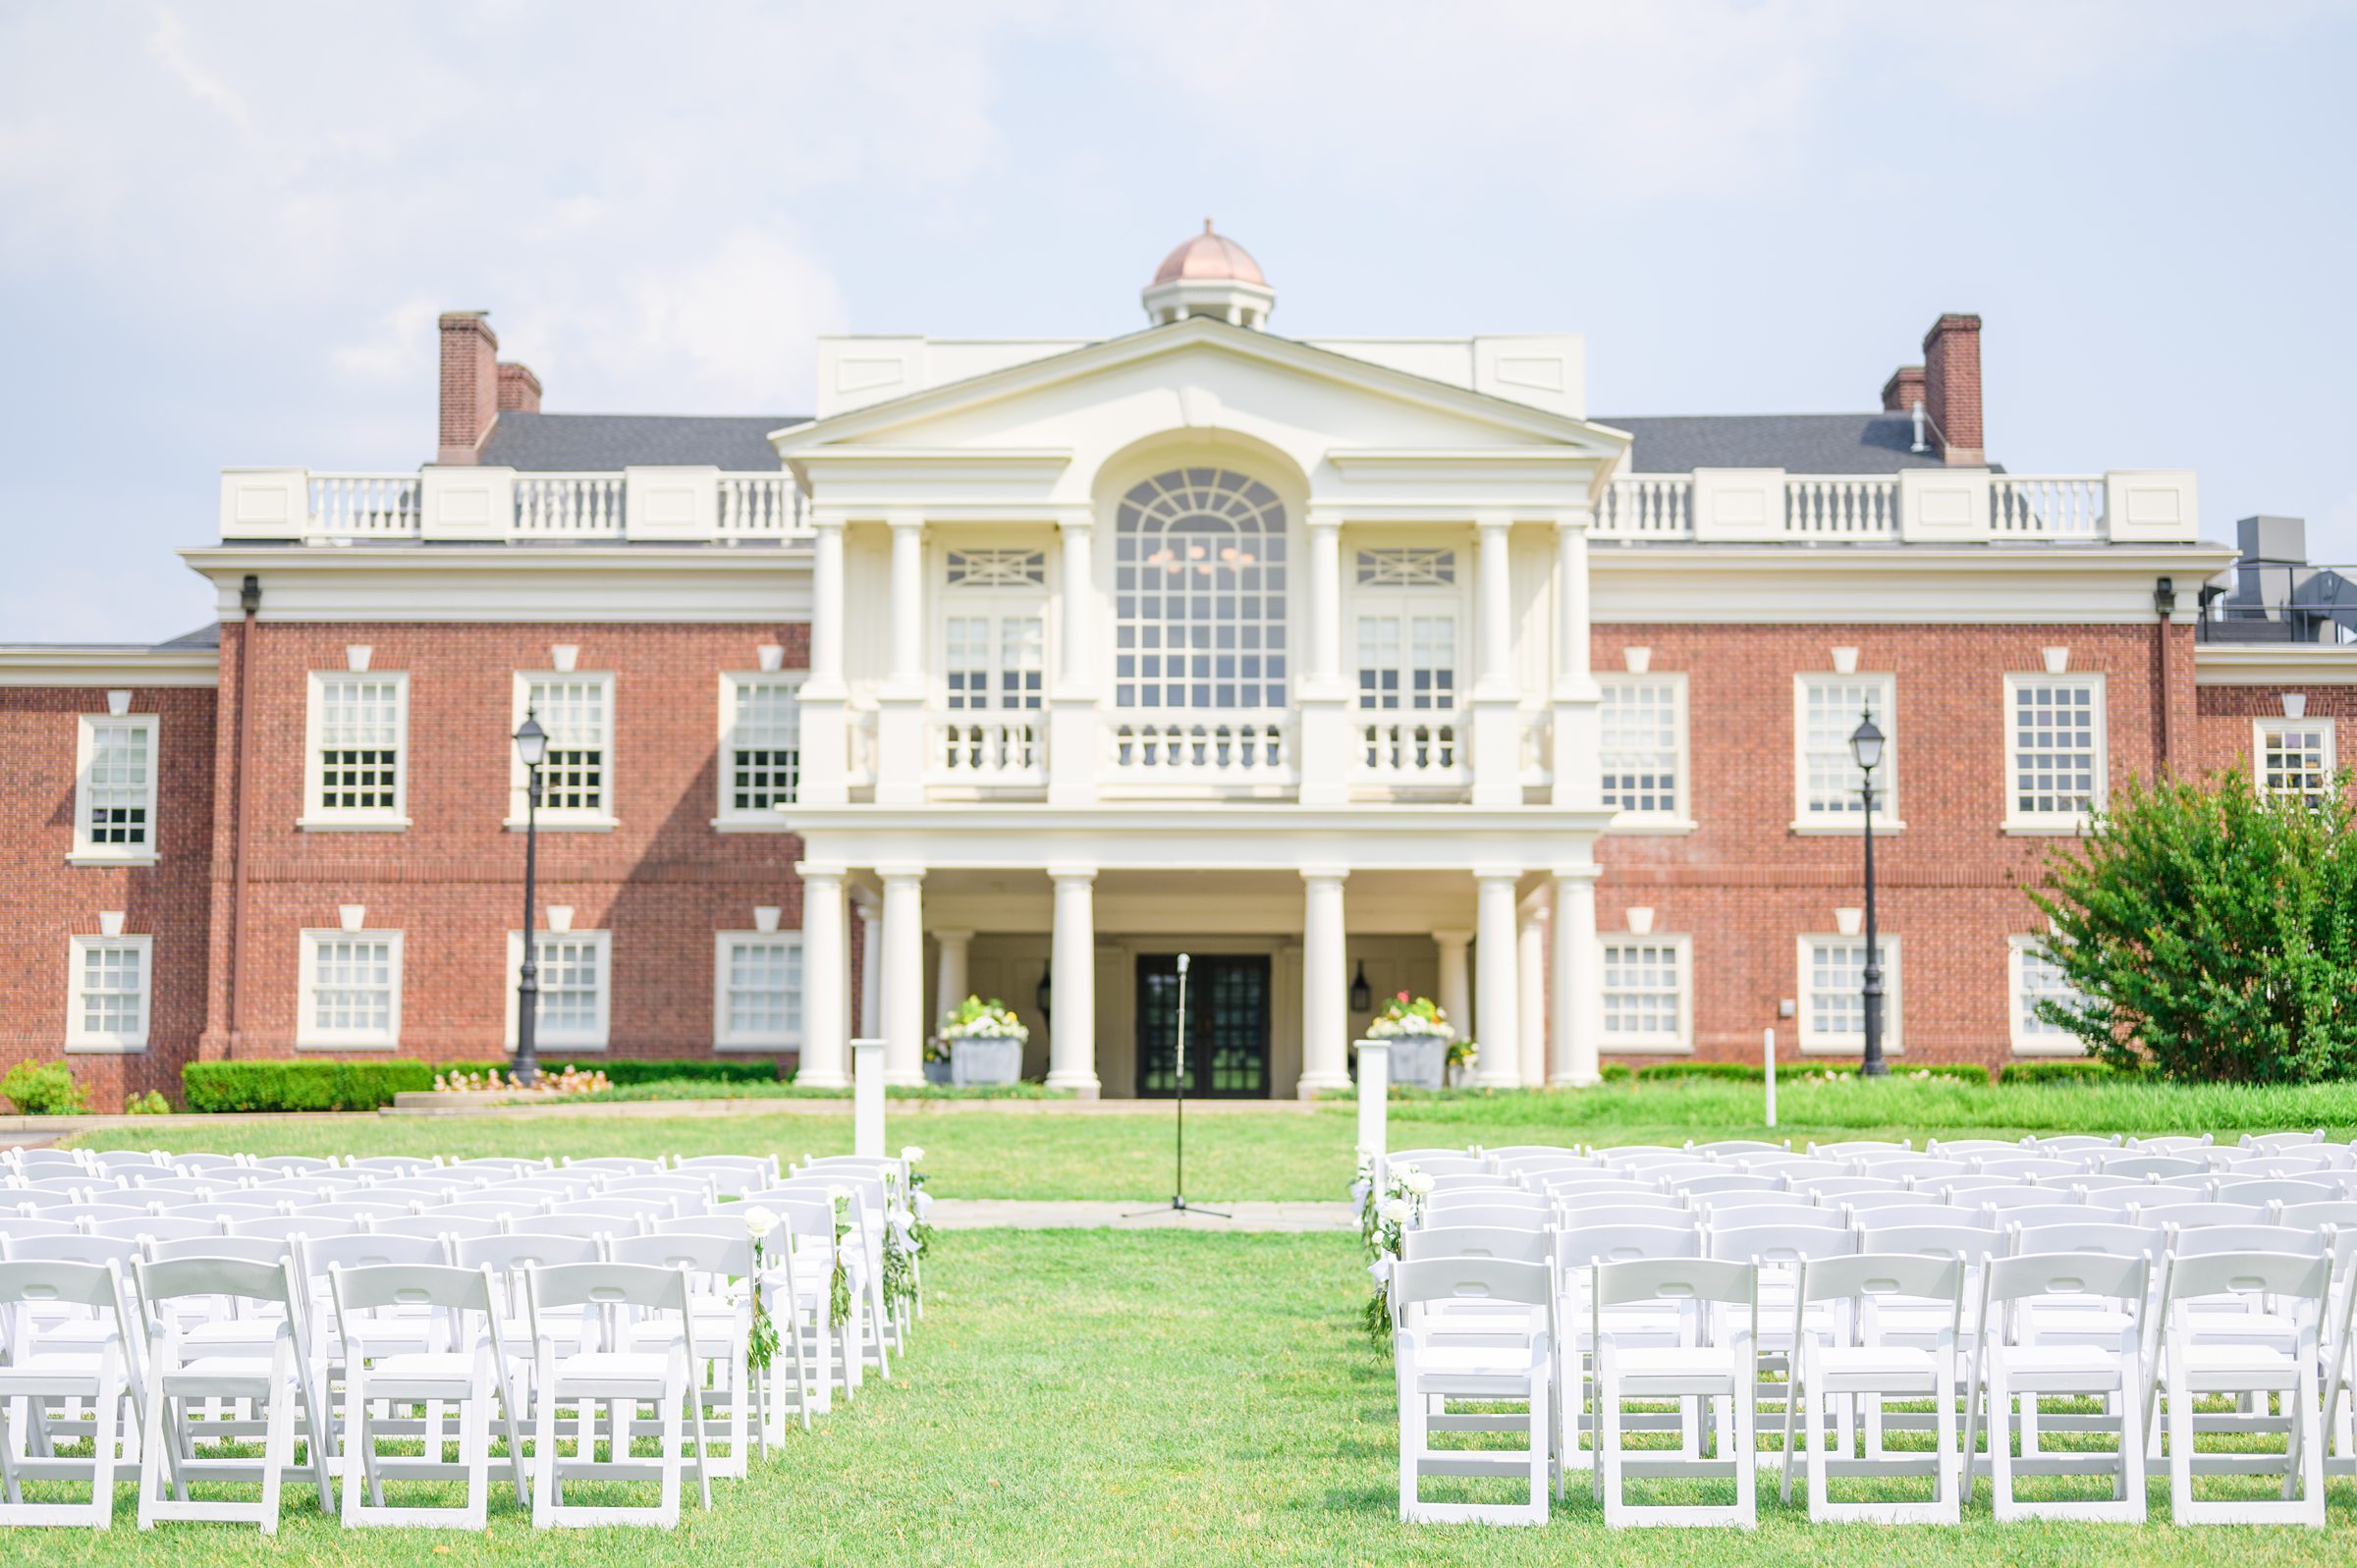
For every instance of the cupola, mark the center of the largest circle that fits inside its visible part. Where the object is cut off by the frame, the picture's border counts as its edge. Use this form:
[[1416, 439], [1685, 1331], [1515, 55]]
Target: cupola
[[1210, 274]]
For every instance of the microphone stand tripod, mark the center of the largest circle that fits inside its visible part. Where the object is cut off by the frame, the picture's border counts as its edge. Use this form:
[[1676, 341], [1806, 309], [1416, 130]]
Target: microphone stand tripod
[[1178, 1203]]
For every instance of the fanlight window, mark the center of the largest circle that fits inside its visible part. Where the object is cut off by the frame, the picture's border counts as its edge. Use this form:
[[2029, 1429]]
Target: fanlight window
[[1199, 591]]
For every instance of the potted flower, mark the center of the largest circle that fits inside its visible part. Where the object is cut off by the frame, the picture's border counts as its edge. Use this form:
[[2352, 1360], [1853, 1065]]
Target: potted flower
[[986, 1042], [937, 1059], [1419, 1035]]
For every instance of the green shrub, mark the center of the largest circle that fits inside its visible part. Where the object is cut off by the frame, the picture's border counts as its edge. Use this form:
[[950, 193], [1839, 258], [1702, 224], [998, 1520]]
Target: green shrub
[[2067, 1069], [43, 1089], [1616, 1072], [1754, 1072], [228, 1085], [150, 1103], [2210, 934], [1659, 1071]]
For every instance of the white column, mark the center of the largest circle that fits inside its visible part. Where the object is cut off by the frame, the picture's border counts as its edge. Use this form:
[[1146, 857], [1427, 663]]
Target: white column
[[1495, 703], [870, 1022], [948, 975], [826, 1035], [1577, 731], [1073, 743], [1494, 675], [903, 967], [1456, 981], [1324, 599], [1495, 1020], [1325, 750], [1530, 963], [1325, 984], [1076, 603], [1578, 994], [825, 743], [907, 601], [901, 704], [1072, 1028]]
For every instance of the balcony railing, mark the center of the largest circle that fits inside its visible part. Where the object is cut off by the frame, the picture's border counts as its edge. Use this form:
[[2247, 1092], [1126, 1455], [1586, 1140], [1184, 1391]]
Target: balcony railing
[[1944, 505], [1251, 751], [688, 504], [1412, 752], [987, 750]]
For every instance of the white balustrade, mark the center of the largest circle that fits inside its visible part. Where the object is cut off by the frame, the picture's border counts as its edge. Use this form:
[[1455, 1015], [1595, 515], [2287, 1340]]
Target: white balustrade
[[859, 734], [1842, 507], [1536, 765], [364, 506], [760, 506], [1409, 751], [569, 505], [1647, 506], [983, 750], [2047, 506], [1230, 749]]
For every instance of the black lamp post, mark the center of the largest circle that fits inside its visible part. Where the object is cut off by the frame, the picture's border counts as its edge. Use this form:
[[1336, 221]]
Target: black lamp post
[[531, 746], [1866, 745]]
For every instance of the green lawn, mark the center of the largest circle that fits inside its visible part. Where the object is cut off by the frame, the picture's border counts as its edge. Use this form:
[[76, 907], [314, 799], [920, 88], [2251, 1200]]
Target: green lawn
[[1101, 1398], [1026, 1152]]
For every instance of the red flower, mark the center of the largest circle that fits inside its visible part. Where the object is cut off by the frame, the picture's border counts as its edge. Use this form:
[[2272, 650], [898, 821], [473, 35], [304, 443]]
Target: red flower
[[1404, 996]]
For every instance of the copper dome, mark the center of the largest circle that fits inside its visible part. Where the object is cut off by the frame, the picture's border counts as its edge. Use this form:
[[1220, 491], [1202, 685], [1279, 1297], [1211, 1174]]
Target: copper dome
[[1208, 257]]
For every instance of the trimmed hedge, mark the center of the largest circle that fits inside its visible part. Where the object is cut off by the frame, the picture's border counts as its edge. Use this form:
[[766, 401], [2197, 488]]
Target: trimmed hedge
[[625, 1071], [1754, 1072], [218, 1086], [2066, 1069]]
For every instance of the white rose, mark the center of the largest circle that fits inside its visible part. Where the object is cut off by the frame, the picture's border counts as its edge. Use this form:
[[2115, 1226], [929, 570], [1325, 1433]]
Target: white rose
[[1394, 1210], [911, 1155], [1418, 1182], [839, 1195], [759, 1221]]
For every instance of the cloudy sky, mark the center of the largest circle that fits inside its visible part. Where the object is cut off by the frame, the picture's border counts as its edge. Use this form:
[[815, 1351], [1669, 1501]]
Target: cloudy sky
[[225, 229]]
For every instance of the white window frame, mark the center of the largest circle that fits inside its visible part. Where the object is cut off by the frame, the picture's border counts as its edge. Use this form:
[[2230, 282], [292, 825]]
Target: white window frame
[[2262, 727], [723, 1039], [2025, 1042], [1680, 1043], [1680, 817], [1814, 1044], [85, 852], [545, 1043], [319, 818], [567, 819], [1885, 774], [727, 817], [83, 1042], [2056, 822], [308, 1036]]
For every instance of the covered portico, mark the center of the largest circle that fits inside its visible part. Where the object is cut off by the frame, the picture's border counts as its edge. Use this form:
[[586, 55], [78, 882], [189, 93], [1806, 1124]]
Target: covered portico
[[1001, 898]]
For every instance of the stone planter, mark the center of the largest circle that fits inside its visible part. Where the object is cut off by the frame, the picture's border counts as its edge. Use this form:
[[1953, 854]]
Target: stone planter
[[985, 1062], [937, 1072], [1419, 1061]]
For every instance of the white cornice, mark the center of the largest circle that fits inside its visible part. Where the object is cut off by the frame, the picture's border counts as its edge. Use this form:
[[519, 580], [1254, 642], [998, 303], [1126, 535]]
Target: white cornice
[[2279, 664], [635, 583], [131, 665]]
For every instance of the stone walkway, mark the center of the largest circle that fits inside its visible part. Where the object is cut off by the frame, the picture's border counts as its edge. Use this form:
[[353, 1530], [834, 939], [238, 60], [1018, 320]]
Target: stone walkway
[[1014, 1213]]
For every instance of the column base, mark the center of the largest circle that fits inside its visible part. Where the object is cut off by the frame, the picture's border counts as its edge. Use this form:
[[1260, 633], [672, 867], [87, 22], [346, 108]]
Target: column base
[[1313, 1084], [1083, 1084], [900, 1078], [1565, 1080], [823, 1079]]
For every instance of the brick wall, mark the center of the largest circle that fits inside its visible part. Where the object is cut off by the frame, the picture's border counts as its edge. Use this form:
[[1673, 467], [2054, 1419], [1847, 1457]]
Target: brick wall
[[2223, 736], [49, 901]]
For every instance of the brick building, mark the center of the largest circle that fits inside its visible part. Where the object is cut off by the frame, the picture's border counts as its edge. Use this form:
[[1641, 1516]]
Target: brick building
[[1021, 666]]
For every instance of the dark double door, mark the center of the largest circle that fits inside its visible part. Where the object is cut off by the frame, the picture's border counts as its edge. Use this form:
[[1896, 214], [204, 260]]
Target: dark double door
[[1227, 1026]]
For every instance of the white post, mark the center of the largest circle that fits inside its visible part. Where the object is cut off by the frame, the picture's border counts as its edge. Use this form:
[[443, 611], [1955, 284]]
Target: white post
[[867, 1098], [1457, 982], [825, 741], [1492, 675], [871, 967], [1578, 998], [1325, 984], [948, 975], [1530, 962], [1374, 1093], [1073, 1027], [1072, 739], [826, 978], [900, 703], [1495, 703], [1325, 751], [1767, 1052], [904, 982], [1500, 990], [907, 604]]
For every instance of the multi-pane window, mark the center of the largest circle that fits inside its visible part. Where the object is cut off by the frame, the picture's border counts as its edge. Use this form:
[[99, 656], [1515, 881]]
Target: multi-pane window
[[107, 1001], [350, 989], [1644, 993], [1407, 660], [759, 991], [2032, 978], [761, 750], [2295, 759], [1832, 981], [577, 712], [2054, 749], [994, 661], [1643, 725], [997, 568], [1828, 710], [1406, 568], [1199, 593], [114, 812], [572, 976], [357, 723]]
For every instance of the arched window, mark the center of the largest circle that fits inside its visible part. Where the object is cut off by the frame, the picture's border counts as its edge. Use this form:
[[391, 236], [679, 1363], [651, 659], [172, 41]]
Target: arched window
[[1199, 593]]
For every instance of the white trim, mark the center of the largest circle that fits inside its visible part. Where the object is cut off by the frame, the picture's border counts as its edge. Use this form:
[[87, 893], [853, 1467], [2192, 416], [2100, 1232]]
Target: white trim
[[425, 582], [767, 818], [2026, 1044], [80, 1041], [2065, 823], [1680, 817], [721, 1039], [1680, 1043], [1886, 787], [318, 818], [84, 852], [601, 946], [2323, 663], [552, 819], [2264, 725], [309, 1034], [1813, 1043], [142, 668]]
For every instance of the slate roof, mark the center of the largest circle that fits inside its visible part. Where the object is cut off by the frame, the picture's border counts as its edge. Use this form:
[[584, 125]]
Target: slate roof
[[601, 442], [1798, 443]]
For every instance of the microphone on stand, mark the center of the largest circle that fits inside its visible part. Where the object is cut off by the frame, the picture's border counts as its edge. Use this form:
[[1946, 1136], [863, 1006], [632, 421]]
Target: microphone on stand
[[1178, 1202]]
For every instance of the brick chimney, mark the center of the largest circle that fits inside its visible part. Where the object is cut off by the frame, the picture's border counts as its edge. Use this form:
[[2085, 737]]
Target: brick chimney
[[519, 390], [1904, 390], [470, 385], [1951, 373]]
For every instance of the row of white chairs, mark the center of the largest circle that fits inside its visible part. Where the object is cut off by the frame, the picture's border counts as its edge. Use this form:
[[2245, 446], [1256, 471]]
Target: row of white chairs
[[528, 1293]]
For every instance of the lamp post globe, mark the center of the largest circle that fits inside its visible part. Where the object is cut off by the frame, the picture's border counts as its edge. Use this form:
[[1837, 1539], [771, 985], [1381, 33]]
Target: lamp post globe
[[1866, 744], [531, 749]]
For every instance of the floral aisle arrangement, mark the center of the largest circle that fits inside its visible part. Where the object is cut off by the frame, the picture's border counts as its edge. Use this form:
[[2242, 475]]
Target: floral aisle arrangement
[[761, 1348], [839, 1288], [1401, 1206], [1420, 1037], [902, 1240], [985, 1041]]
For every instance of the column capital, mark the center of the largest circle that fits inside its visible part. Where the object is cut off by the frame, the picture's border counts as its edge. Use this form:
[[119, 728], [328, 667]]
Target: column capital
[[948, 934], [902, 872], [1070, 873], [1498, 873], [1576, 519], [901, 522], [1320, 518], [828, 522], [1586, 871], [820, 870], [1493, 521], [1075, 520], [1325, 873], [1453, 939]]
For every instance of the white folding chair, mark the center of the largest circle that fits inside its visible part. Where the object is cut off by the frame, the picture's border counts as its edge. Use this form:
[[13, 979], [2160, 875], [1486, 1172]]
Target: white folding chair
[[461, 1367], [1649, 1325], [1724, 1369], [620, 1379], [1437, 1362], [93, 1370], [719, 1268], [2196, 1365], [1863, 1367], [2009, 1365]]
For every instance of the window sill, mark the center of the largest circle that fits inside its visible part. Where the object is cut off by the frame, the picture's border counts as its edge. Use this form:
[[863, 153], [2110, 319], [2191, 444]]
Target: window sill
[[352, 824], [344, 1045], [545, 1048], [2050, 1050], [1840, 1048], [106, 1048], [1628, 823], [2046, 828], [1635, 1047], [565, 825], [1808, 827], [768, 822], [91, 857], [765, 1048]]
